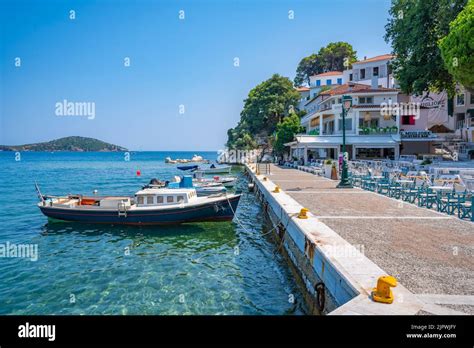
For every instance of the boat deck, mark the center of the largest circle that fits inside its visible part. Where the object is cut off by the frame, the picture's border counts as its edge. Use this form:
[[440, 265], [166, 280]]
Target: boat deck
[[430, 253]]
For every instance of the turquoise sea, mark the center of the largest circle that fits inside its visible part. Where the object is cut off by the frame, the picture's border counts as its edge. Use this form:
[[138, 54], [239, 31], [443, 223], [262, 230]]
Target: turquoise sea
[[205, 268]]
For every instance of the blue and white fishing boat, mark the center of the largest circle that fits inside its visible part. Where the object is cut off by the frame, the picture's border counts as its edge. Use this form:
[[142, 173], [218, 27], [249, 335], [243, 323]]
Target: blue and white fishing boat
[[212, 169], [149, 206], [202, 188]]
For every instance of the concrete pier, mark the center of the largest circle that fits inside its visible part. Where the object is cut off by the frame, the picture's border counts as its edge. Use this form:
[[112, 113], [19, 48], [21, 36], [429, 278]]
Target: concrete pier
[[359, 236]]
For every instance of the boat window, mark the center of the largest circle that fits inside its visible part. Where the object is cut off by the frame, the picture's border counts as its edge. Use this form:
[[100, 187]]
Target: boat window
[[149, 200], [140, 199], [169, 199], [159, 199], [180, 198]]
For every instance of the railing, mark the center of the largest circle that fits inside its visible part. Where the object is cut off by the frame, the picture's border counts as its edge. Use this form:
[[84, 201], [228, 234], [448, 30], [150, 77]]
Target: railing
[[378, 131], [468, 122], [263, 168]]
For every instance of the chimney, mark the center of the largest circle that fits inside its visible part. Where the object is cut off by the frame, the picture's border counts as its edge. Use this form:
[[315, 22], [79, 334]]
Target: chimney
[[375, 82]]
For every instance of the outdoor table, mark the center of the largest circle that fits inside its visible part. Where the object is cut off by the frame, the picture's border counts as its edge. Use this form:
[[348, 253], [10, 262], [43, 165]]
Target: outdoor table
[[404, 181], [441, 188]]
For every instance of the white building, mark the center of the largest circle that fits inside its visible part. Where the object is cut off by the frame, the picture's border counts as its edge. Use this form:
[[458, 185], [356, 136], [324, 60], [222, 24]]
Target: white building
[[375, 70], [327, 79], [369, 134], [304, 97]]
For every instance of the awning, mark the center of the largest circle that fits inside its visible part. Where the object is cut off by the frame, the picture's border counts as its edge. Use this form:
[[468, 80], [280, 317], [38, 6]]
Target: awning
[[331, 140]]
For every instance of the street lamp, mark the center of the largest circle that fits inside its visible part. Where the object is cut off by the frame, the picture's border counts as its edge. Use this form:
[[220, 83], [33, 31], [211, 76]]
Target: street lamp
[[346, 105]]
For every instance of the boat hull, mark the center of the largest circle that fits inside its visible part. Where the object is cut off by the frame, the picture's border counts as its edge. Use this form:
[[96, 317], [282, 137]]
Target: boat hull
[[217, 170], [213, 211]]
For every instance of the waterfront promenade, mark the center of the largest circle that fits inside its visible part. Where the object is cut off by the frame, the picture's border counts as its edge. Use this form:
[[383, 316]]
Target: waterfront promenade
[[430, 253]]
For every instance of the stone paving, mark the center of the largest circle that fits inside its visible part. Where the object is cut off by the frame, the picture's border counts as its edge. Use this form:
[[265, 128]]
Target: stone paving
[[430, 253]]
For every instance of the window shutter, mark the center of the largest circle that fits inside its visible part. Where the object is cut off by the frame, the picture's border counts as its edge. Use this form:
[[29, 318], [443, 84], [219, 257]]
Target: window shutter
[[368, 73], [382, 71]]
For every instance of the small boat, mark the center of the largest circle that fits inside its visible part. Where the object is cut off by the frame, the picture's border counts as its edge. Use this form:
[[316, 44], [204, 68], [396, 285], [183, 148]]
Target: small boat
[[194, 167], [226, 181], [149, 206], [202, 189], [215, 170], [195, 159]]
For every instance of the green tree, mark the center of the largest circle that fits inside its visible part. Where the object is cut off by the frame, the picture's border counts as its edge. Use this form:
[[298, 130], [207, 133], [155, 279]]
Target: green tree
[[414, 29], [286, 131], [265, 106], [328, 58], [457, 48]]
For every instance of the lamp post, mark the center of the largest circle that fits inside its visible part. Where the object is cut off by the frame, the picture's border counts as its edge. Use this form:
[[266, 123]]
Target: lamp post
[[346, 105]]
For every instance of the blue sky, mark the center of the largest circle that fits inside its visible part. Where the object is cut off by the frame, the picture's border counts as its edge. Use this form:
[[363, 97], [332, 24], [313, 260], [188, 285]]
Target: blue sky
[[173, 62]]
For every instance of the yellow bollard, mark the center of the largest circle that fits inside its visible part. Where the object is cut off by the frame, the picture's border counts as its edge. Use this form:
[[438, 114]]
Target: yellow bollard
[[383, 293], [276, 190], [302, 214]]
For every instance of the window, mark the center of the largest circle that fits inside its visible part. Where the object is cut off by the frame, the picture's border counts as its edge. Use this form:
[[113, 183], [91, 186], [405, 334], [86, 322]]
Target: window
[[348, 124], [140, 199], [376, 71], [149, 199], [366, 100], [328, 82], [169, 199], [339, 81], [318, 83], [362, 74], [373, 123], [471, 101], [351, 77], [159, 199], [408, 120], [460, 99], [180, 199]]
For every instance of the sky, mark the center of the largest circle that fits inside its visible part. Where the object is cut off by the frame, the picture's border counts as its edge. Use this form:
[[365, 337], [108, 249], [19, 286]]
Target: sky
[[156, 80]]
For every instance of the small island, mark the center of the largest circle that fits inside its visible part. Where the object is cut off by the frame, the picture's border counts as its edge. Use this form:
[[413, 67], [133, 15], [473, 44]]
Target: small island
[[74, 143]]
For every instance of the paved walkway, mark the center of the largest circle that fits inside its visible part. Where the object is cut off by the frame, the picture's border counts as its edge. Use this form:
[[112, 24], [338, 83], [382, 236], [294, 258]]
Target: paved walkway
[[430, 253]]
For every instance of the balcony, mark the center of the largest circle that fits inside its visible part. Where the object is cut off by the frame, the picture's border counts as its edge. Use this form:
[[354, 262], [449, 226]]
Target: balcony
[[378, 130]]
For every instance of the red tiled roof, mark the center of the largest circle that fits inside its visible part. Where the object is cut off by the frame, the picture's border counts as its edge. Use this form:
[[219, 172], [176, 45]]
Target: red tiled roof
[[302, 89], [356, 88], [329, 73], [376, 58]]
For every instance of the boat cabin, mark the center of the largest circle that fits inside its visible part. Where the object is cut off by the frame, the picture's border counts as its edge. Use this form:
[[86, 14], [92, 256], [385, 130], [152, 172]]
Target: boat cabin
[[153, 196]]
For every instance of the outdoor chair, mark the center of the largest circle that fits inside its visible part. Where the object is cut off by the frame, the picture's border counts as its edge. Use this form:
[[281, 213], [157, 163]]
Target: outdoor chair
[[410, 193], [447, 202], [395, 190], [466, 208], [383, 186], [427, 198]]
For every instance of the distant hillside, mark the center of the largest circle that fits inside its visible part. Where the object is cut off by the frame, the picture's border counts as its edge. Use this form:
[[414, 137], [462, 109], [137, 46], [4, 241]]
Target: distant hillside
[[66, 144]]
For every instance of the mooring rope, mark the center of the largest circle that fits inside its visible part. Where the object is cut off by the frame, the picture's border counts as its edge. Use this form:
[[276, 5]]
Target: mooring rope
[[290, 216]]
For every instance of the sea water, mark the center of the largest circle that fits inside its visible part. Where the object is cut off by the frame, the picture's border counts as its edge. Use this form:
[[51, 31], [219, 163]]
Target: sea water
[[200, 268]]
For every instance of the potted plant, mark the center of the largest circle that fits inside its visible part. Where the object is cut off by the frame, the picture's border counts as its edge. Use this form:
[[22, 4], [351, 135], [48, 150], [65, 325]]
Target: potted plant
[[328, 168]]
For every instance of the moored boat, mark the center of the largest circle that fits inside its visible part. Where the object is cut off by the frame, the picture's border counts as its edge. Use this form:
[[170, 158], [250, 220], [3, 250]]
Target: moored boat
[[215, 170], [150, 206]]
